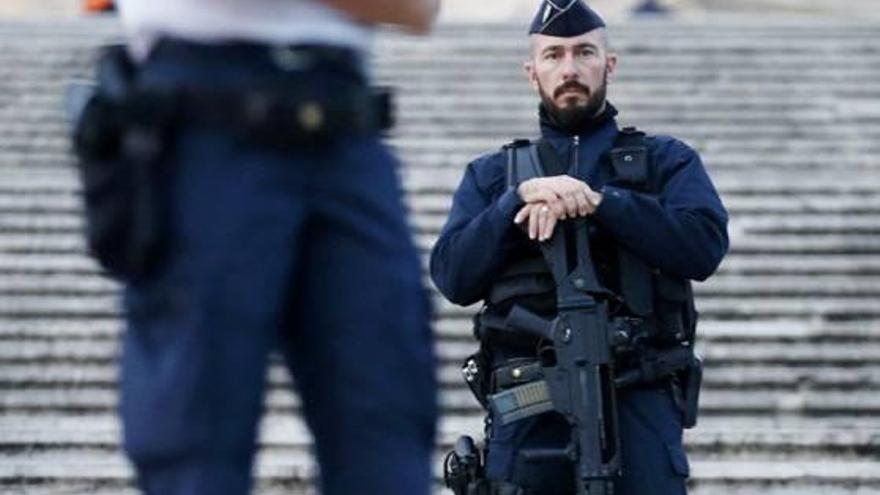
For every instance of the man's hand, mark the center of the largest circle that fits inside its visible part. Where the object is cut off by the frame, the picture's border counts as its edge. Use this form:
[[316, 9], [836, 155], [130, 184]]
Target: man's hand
[[551, 199], [541, 220], [415, 16], [565, 195]]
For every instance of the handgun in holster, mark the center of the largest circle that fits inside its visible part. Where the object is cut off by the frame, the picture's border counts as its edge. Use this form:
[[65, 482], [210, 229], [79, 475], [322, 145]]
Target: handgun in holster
[[119, 144], [464, 469]]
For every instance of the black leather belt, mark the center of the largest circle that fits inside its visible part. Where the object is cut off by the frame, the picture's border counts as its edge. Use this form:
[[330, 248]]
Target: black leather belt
[[304, 93], [516, 371]]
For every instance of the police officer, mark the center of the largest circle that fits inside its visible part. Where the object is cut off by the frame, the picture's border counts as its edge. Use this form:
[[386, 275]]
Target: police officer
[[285, 232], [649, 234]]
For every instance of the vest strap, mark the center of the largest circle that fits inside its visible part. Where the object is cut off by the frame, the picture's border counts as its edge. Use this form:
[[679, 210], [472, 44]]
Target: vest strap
[[522, 162], [632, 169]]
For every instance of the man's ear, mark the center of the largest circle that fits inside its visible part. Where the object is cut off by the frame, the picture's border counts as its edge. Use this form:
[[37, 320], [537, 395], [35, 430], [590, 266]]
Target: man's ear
[[531, 75], [611, 65]]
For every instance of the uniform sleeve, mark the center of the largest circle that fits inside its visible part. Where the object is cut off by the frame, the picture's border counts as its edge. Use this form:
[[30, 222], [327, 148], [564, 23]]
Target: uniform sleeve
[[683, 231], [477, 237]]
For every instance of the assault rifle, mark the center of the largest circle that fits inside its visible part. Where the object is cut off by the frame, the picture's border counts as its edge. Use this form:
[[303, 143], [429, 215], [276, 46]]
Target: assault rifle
[[579, 383]]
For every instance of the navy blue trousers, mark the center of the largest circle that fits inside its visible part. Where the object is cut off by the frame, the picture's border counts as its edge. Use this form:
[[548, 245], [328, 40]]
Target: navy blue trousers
[[654, 460], [306, 253]]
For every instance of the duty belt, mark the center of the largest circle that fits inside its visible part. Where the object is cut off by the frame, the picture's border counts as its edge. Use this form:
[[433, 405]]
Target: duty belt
[[520, 391], [308, 93]]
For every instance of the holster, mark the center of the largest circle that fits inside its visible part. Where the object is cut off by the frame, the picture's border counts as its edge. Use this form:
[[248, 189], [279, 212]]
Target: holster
[[476, 371], [464, 472], [464, 469], [119, 151], [686, 388]]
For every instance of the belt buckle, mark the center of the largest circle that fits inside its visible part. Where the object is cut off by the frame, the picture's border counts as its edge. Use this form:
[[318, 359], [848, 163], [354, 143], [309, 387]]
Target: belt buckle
[[311, 116]]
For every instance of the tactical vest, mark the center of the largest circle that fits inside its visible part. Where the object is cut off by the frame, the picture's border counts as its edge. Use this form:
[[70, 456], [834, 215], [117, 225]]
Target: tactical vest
[[662, 302]]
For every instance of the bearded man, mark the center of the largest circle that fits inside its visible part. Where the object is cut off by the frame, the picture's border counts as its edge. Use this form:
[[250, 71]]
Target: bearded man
[[652, 230]]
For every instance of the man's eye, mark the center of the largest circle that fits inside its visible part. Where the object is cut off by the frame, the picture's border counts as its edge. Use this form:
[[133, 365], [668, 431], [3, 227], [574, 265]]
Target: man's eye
[[587, 53], [551, 56]]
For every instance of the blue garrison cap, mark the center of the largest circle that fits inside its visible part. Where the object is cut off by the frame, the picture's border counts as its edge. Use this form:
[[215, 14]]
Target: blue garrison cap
[[565, 19]]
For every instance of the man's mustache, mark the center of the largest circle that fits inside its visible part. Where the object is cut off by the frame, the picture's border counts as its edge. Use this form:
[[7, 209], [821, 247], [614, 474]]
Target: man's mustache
[[570, 86]]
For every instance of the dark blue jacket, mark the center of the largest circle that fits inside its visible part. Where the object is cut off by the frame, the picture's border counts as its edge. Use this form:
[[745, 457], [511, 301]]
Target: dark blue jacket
[[682, 231]]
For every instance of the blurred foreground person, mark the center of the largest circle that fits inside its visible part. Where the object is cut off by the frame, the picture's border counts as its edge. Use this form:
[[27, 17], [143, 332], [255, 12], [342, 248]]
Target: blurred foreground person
[[596, 361], [235, 181]]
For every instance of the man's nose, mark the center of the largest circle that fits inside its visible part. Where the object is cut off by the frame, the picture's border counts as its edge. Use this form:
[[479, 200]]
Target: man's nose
[[568, 68]]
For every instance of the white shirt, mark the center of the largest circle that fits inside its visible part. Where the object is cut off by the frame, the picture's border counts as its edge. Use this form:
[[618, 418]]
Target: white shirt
[[276, 22]]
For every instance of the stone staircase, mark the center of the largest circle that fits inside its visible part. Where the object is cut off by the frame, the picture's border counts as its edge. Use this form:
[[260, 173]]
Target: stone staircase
[[785, 113]]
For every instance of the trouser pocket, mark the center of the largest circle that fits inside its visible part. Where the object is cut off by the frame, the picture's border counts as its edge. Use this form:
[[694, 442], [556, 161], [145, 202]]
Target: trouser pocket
[[654, 458]]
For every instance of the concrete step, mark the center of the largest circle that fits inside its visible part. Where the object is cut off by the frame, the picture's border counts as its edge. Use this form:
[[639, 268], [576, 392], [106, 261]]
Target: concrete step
[[710, 131], [298, 469], [35, 262], [421, 181], [289, 467], [726, 306], [426, 207], [636, 107], [715, 353], [46, 204], [739, 308], [852, 241], [751, 402], [818, 205], [284, 431], [60, 284], [766, 223], [636, 97], [719, 376], [767, 244], [632, 96], [795, 353], [756, 331], [759, 183], [806, 226], [831, 264], [723, 285], [797, 437]]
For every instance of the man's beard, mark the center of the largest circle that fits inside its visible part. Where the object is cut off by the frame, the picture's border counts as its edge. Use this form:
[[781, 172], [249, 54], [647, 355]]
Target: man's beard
[[575, 115]]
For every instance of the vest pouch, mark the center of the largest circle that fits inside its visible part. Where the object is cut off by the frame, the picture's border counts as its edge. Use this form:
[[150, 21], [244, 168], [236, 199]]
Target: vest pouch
[[631, 167], [673, 308]]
